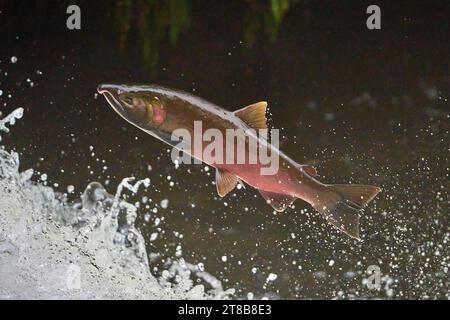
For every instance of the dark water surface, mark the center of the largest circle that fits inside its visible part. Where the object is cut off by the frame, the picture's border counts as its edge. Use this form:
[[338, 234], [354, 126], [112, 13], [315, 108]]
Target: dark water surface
[[363, 106]]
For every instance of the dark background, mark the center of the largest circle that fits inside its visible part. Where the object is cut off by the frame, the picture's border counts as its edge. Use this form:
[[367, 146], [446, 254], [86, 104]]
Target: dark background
[[362, 106]]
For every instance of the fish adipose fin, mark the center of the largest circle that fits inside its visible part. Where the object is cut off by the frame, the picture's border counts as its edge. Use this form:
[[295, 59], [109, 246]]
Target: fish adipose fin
[[225, 182], [254, 115], [279, 202], [309, 170], [344, 204]]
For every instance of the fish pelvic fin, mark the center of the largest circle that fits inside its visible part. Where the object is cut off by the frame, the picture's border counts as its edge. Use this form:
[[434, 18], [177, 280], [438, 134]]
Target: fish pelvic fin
[[343, 204], [254, 115], [279, 202], [225, 182]]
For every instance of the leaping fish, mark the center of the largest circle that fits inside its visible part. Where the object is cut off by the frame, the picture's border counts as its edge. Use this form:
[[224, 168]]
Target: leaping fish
[[161, 111]]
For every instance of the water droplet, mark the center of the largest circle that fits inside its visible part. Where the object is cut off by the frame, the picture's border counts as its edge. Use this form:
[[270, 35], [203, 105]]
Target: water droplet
[[272, 277], [164, 203], [153, 236]]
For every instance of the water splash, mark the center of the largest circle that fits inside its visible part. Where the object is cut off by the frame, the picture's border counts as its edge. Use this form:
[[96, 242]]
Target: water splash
[[10, 119], [88, 249]]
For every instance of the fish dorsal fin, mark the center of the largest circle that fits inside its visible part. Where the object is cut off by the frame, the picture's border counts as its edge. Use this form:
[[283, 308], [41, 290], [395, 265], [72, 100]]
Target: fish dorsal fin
[[278, 201], [309, 170], [225, 182], [254, 115]]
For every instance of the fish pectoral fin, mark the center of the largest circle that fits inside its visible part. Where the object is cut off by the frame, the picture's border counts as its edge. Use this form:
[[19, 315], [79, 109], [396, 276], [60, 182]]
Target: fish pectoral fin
[[254, 115], [309, 170], [225, 182], [279, 202]]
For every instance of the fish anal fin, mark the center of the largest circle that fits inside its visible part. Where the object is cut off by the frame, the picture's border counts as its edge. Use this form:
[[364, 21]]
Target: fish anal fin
[[279, 202], [225, 182], [254, 115]]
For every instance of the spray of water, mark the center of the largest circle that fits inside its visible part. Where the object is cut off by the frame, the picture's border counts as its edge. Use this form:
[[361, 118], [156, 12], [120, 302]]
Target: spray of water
[[88, 249]]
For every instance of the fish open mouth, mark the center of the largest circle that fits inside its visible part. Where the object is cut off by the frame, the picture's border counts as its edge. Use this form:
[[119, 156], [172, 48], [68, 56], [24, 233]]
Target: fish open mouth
[[111, 96]]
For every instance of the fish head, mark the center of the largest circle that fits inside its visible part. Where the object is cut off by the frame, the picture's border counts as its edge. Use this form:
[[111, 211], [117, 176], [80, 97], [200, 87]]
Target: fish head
[[140, 106]]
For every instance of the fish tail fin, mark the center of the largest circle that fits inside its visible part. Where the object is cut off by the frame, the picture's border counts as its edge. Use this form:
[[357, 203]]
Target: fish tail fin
[[342, 205], [358, 194]]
